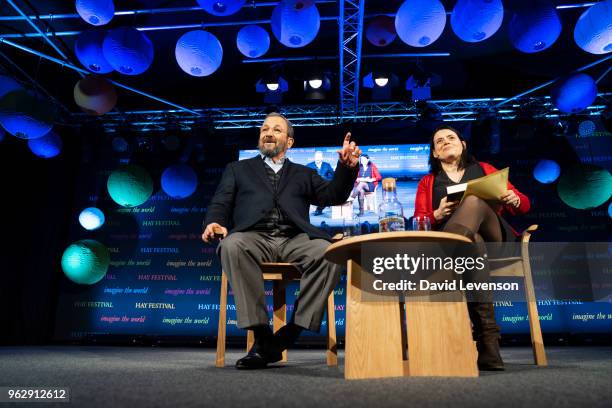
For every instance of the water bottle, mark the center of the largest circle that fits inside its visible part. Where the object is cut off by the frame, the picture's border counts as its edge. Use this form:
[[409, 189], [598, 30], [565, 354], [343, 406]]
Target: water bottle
[[390, 211]]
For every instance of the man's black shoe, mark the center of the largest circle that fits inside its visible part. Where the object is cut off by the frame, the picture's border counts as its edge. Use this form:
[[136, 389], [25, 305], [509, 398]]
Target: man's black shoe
[[256, 360]]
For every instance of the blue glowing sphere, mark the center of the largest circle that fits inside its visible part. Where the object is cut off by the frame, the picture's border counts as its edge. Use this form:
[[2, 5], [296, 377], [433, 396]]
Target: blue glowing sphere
[[585, 186], [96, 12], [198, 53], [179, 181], [534, 27], [25, 115], [221, 7], [46, 147], [88, 49], [128, 50], [120, 145], [130, 185], [253, 41], [574, 93], [546, 171], [85, 262], [593, 31], [420, 22], [586, 128], [91, 218], [295, 28], [381, 31], [299, 4], [477, 20], [610, 210], [8, 84]]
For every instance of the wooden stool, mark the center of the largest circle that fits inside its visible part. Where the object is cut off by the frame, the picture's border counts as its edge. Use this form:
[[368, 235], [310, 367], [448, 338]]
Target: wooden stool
[[280, 274]]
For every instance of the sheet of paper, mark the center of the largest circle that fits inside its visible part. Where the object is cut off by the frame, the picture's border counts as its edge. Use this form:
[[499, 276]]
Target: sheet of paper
[[490, 187]]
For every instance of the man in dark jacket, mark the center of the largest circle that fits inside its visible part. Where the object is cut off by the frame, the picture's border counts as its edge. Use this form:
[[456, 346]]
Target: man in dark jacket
[[324, 169], [264, 201]]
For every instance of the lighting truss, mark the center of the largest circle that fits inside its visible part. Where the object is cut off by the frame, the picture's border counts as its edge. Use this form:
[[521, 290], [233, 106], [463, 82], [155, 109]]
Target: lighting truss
[[448, 110], [350, 32]]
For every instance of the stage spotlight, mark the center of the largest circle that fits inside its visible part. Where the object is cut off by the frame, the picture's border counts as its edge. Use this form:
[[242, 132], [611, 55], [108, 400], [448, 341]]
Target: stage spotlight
[[315, 83], [273, 88], [381, 83], [316, 87]]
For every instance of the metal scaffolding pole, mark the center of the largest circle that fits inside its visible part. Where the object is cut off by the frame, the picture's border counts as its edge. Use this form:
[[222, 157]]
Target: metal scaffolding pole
[[350, 32]]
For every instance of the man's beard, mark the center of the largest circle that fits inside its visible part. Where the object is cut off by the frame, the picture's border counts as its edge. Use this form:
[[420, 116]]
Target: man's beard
[[273, 152]]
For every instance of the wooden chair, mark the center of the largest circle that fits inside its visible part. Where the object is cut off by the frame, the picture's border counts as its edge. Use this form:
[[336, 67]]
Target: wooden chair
[[280, 274], [520, 266]]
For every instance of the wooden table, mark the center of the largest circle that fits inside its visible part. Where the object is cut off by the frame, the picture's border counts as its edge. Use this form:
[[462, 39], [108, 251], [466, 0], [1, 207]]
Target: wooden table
[[439, 336]]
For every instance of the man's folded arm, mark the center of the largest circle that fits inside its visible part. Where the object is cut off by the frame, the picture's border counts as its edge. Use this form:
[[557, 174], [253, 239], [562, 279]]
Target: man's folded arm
[[335, 191], [220, 207]]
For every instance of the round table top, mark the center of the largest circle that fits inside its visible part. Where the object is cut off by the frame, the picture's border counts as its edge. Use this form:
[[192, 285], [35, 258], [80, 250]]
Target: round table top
[[350, 248]]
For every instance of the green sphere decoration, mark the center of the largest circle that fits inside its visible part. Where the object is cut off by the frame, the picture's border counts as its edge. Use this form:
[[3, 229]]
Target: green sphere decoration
[[585, 186], [130, 185], [85, 262]]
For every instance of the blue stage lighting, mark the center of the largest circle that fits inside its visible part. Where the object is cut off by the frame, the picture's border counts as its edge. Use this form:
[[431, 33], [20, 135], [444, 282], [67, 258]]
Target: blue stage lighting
[[179, 181], [26, 116], [295, 28], [546, 171], [593, 31], [477, 20], [221, 7], [88, 49], [47, 147], [198, 53], [574, 93], [610, 210], [96, 12], [534, 26], [86, 262], [253, 41], [381, 31], [128, 50], [8, 84], [420, 22], [91, 218]]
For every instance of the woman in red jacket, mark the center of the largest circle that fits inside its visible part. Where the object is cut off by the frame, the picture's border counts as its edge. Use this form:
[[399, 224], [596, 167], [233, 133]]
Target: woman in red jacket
[[451, 164], [366, 181]]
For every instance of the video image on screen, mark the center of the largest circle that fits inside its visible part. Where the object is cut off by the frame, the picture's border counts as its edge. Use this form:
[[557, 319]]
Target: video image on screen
[[406, 163]]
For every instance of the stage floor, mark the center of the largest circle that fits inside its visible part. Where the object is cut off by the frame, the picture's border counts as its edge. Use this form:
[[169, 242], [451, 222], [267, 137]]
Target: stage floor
[[186, 377]]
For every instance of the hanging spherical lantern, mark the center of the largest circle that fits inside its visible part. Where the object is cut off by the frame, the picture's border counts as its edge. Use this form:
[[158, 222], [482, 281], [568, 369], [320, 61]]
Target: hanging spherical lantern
[[179, 181], [130, 185], [574, 93], [128, 50], [91, 218], [25, 115], [95, 95], [253, 41], [299, 4], [585, 186], [381, 31], [46, 147], [88, 49], [593, 31], [534, 26], [96, 12], [420, 22], [86, 262], [198, 53], [221, 7], [546, 171], [8, 84], [295, 28], [477, 20], [120, 145]]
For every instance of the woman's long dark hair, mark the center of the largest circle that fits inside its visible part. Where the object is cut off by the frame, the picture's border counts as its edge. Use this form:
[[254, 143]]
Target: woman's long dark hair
[[434, 164]]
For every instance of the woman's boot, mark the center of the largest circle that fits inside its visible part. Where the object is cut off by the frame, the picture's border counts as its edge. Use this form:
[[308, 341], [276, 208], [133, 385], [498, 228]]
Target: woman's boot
[[486, 334]]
